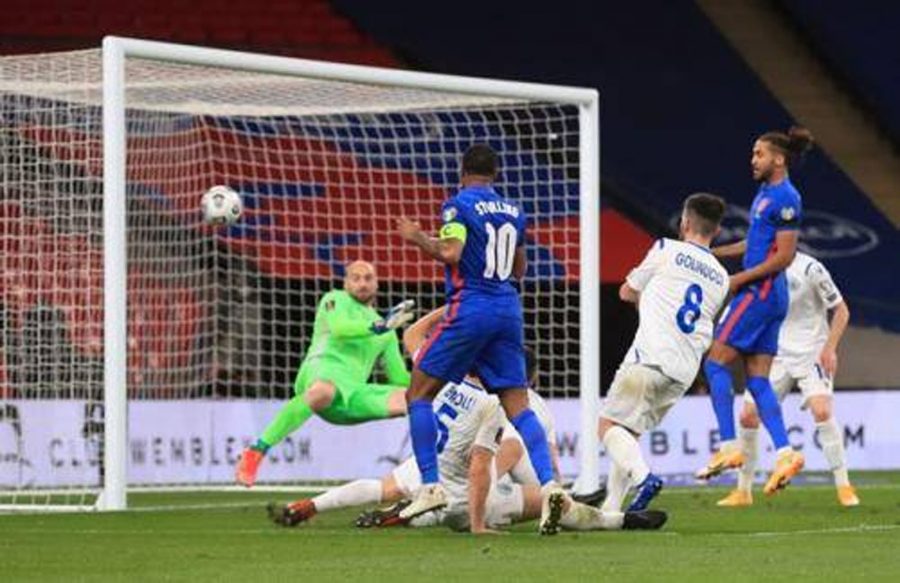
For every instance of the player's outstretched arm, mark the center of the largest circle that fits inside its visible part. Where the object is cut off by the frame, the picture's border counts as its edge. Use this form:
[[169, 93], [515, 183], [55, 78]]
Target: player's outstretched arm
[[785, 249], [479, 486], [840, 317], [340, 320], [629, 294], [414, 336], [446, 249], [731, 250]]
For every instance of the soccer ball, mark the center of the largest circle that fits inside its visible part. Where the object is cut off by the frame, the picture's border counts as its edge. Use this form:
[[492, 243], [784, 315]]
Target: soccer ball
[[221, 206]]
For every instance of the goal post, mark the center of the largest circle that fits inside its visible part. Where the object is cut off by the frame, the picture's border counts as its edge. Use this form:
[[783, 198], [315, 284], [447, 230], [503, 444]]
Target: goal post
[[176, 118]]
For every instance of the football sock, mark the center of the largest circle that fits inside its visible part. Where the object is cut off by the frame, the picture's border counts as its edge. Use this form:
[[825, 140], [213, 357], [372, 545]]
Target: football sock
[[750, 446], [832, 443], [523, 472], [617, 484], [351, 494], [624, 450], [535, 440], [769, 409], [719, 379], [290, 418], [423, 433]]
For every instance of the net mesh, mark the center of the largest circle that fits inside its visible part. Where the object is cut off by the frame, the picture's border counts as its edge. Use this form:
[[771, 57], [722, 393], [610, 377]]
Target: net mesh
[[323, 168]]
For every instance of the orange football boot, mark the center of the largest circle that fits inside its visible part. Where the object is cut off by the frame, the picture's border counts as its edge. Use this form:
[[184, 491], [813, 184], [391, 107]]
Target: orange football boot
[[247, 466]]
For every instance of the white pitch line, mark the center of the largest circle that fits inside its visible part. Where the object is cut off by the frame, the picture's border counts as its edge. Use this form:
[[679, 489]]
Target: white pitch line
[[713, 488], [847, 529]]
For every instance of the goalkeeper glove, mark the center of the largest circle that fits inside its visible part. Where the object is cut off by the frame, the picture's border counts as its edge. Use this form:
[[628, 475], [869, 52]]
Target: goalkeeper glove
[[398, 315]]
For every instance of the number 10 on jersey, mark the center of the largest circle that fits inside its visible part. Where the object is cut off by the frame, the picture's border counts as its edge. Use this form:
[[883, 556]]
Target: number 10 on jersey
[[500, 251]]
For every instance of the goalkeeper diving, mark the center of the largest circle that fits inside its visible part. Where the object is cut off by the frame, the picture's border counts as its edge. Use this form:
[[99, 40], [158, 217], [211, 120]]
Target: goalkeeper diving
[[487, 474], [349, 338]]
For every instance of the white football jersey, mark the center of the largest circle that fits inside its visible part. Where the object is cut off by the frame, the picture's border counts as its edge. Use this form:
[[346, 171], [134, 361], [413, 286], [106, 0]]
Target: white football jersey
[[466, 416], [812, 293], [682, 287]]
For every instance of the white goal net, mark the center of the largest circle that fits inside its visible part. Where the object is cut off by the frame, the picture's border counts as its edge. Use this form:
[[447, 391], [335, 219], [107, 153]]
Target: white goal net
[[218, 319]]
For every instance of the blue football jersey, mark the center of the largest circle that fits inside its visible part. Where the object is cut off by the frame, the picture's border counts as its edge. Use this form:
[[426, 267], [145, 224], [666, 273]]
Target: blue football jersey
[[775, 208], [494, 229]]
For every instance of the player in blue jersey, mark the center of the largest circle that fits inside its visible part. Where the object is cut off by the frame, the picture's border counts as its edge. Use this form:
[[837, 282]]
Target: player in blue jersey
[[749, 326], [482, 244]]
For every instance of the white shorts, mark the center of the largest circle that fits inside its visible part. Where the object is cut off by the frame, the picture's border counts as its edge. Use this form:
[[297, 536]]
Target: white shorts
[[812, 380], [408, 477], [640, 397]]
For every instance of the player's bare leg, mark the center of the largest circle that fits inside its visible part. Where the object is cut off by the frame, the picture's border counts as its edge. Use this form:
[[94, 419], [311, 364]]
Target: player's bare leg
[[831, 439], [515, 404], [319, 395], [423, 432], [748, 435], [721, 356]]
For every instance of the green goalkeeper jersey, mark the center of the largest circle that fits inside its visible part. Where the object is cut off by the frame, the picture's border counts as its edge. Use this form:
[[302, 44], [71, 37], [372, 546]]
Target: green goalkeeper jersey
[[345, 350]]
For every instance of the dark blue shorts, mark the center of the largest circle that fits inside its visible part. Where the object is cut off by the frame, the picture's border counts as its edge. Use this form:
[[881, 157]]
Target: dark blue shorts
[[752, 321], [474, 337]]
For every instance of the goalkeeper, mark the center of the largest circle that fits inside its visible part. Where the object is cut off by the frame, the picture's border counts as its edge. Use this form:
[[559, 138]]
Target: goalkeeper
[[349, 336]]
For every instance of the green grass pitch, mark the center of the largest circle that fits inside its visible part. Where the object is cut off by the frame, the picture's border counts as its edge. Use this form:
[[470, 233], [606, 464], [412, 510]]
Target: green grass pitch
[[802, 534]]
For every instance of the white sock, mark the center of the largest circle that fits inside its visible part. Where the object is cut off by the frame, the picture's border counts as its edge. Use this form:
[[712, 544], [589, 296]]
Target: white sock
[[623, 448], [617, 484], [832, 442], [784, 451], [584, 517], [728, 445], [351, 494], [523, 471], [750, 446]]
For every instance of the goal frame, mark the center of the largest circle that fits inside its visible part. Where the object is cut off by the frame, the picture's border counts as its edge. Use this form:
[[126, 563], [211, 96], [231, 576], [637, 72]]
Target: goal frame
[[116, 50]]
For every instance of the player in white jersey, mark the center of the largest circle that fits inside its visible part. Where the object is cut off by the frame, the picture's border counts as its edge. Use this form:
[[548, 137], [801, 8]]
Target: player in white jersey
[[471, 431], [807, 359], [679, 288]]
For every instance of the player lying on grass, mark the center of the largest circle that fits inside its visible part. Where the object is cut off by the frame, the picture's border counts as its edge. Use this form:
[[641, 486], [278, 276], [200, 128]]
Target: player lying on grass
[[807, 358], [748, 330], [679, 288], [482, 247], [470, 424], [349, 337], [471, 435]]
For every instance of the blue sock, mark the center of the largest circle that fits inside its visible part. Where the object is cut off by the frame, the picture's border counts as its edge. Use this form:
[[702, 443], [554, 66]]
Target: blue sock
[[719, 379], [769, 409], [535, 439], [423, 432]]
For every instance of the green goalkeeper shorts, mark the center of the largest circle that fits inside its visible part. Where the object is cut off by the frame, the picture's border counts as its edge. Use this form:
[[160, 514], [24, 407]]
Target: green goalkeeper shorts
[[354, 402]]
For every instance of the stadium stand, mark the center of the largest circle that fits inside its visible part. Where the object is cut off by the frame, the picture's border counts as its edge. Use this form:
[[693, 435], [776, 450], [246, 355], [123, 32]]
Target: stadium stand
[[669, 126], [309, 29], [858, 43]]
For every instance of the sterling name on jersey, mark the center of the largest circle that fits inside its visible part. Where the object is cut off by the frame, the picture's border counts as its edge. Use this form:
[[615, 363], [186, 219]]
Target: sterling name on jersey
[[682, 287], [491, 229], [812, 293], [466, 416]]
